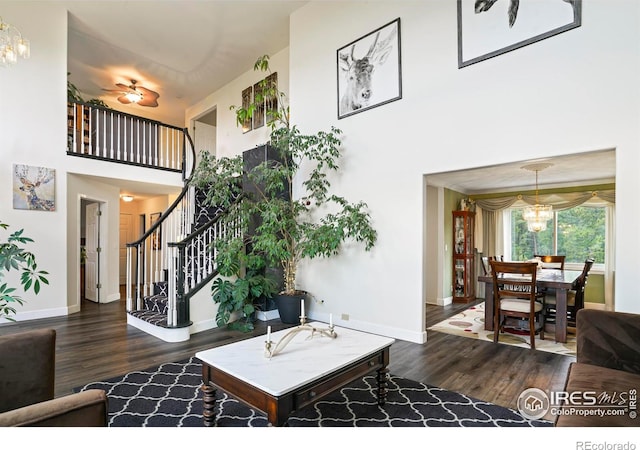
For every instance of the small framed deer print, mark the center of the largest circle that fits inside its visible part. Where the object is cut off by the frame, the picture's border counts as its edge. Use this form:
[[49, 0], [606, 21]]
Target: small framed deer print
[[34, 188], [369, 70]]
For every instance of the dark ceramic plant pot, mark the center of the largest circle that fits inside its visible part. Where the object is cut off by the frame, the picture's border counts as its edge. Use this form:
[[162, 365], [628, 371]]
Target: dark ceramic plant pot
[[289, 307], [265, 304]]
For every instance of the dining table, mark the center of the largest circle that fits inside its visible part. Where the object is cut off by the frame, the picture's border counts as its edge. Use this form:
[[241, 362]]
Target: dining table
[[560, 280]]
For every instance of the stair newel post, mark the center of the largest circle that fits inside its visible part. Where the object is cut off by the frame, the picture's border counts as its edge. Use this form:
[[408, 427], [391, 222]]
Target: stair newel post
[[178, 314], [139, 275], [182, 301], [128, 287]]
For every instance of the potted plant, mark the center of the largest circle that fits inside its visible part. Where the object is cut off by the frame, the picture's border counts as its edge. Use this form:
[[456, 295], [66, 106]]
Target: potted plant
[[280, 227], [241, 284], [14, 256]]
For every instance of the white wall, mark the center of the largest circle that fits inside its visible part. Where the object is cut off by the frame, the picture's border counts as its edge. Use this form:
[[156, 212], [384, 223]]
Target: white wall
[[204, 138], [570, 93], [78, 187], [32, 93], [230, 140], [33, 108]]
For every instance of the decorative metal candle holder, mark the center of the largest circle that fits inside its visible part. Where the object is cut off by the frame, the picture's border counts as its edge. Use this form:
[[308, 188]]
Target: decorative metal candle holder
[[271, 350]]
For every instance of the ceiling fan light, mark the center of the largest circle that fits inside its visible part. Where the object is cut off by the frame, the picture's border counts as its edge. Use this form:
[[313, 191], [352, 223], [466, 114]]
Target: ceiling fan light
[[133, 97]]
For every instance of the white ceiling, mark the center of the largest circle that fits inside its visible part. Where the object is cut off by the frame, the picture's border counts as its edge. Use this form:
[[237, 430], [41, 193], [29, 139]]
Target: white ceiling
[[186, 50], [571, 170]]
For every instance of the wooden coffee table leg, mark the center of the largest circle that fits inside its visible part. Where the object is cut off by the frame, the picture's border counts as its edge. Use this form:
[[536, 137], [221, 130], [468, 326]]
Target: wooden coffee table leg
[[209, 404], [382, 378]]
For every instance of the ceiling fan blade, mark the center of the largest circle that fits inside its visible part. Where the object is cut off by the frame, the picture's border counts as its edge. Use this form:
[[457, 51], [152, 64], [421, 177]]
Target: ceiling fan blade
[[147, 93], [124, 87], [151, 102]]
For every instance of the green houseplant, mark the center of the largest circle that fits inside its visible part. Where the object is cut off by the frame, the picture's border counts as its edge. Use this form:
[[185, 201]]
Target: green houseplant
[[14, 256], [280, 227]]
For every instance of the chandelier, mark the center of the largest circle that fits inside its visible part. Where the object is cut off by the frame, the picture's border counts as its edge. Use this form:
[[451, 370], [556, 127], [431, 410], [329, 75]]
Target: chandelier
[[12, 44], [537, 215]]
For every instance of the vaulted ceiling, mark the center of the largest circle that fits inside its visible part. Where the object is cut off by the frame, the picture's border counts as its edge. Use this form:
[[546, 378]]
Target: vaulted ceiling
[[186, 50], [182, 49]]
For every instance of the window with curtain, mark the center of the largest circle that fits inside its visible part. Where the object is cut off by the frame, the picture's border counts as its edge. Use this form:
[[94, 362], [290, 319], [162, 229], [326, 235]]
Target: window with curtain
[[578, 233]]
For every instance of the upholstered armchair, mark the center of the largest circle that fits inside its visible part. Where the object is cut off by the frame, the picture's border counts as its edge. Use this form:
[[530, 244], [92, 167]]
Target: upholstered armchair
[[607, 364], [27, 375]]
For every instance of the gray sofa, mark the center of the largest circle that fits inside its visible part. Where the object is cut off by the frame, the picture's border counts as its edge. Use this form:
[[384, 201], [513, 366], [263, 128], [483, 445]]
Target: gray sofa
[[607, 367], [27, 374]]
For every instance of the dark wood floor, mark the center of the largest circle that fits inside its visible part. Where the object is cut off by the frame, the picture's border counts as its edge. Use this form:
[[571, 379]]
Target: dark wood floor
[[96, 344]]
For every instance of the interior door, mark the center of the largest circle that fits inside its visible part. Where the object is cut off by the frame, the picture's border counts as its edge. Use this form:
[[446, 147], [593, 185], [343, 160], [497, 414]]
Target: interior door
[[92, 265], [126, 235]]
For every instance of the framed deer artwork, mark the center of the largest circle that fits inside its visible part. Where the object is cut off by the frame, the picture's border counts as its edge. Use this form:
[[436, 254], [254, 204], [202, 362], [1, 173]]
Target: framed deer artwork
[[369, 70], [488, 28], [34, 188]]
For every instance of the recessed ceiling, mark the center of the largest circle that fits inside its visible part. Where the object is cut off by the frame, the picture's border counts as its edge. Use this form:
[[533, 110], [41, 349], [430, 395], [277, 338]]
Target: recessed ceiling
[[598, 167]]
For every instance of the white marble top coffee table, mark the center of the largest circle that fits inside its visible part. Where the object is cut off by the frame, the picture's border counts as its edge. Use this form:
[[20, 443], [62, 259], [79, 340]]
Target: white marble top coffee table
[[303, 372]]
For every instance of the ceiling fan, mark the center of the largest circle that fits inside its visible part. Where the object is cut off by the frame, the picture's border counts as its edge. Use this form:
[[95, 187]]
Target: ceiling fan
[[135, 94]]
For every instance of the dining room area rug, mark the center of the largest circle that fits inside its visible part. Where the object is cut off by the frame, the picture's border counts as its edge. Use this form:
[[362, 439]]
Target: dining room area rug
[[470, 324]]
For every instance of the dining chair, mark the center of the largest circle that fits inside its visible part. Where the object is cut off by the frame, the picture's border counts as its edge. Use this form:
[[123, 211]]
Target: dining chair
[[514, 296], [551, 261], [575, 297], [486, 269]]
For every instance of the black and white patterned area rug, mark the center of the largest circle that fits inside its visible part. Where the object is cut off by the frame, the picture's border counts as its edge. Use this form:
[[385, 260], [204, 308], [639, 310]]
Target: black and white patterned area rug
[[170, 396]]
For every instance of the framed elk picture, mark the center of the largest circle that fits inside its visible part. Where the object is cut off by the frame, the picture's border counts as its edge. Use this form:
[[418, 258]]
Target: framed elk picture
[[369, 70], [488, 28]]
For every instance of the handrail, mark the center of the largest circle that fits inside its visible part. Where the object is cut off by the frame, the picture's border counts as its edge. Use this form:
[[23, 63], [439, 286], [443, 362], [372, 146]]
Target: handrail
[[175, 203], [205, 235], [98, 132], [153, 228], [205, 226]]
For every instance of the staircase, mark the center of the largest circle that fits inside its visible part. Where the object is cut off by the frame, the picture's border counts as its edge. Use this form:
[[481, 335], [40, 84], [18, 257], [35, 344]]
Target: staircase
[[174, 258], [171, 262]]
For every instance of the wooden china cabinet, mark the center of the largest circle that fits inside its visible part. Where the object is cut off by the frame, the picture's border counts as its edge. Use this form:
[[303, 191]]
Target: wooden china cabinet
[[463, 257]]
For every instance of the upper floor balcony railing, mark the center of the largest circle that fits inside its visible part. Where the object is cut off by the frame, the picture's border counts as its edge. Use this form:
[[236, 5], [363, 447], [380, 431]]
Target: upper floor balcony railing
[[106, 134]]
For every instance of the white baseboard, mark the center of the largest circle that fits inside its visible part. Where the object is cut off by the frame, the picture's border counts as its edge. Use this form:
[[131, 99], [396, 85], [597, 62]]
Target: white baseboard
[[202, 325], [21, 316], [440, 301], [397, 333]]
